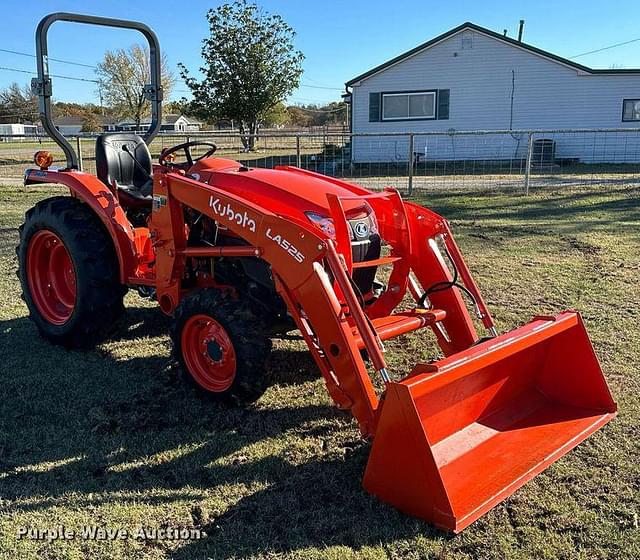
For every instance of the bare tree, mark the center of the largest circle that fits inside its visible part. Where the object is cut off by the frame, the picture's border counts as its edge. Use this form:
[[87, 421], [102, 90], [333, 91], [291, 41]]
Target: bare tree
[[123, 73], [18, 104]]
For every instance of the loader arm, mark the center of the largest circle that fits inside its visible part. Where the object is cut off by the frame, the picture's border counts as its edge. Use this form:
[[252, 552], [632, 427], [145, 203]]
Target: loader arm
[[312, 275]]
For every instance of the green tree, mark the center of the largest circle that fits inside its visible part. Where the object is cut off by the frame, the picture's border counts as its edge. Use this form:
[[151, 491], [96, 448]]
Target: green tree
[[250, 65], [299, 116], [179, 107], [333, 113], [91, 123], [63, 108], [123, 73], [277, 115]]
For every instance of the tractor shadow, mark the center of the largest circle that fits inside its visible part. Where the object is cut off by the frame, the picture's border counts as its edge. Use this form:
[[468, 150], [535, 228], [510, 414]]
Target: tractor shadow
[[318, 504], [140, 322], [80, 427]]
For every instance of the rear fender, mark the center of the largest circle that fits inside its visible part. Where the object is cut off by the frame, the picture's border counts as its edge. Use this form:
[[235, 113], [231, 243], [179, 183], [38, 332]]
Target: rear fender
[[103, 202]]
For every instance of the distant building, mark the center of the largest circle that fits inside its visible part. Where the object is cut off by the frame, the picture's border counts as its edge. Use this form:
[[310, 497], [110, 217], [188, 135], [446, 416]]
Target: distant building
[[70, 125], [170, 123], [17, 129], [109, 124]]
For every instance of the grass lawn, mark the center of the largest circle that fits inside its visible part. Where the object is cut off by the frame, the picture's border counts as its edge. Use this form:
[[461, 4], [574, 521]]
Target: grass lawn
[[112, 437]]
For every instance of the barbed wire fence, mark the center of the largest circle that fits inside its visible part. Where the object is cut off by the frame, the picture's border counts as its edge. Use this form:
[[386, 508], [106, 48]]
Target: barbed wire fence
[[479, 160]]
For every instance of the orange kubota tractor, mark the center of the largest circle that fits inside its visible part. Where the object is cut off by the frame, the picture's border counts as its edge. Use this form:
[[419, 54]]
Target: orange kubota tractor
[[237, 255]]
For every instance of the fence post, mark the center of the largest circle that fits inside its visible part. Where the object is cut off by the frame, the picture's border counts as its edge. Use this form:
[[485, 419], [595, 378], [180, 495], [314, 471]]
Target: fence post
[[410, 164], [298, 155], [527, 165], [79, 147]]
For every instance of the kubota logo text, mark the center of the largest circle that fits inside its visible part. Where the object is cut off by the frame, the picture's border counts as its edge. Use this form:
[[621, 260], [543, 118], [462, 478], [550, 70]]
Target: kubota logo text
[[286, 245], [226, 211]]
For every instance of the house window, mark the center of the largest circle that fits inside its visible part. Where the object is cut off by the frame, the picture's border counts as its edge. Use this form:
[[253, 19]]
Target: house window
[[631, 110], [414, 105]]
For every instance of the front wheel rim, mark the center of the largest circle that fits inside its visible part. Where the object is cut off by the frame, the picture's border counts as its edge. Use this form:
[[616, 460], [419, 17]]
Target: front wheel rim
[[208, 353], [51, 277]]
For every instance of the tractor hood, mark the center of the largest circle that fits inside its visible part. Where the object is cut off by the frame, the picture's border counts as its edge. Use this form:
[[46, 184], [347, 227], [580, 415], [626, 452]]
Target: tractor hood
[[284, 191]]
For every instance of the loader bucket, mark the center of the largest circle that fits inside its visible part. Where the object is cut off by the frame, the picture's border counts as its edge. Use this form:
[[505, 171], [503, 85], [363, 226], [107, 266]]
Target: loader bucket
[[457, 437]]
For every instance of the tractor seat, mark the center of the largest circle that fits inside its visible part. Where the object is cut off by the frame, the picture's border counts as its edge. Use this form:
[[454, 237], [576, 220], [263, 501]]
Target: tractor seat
[[115, 164]]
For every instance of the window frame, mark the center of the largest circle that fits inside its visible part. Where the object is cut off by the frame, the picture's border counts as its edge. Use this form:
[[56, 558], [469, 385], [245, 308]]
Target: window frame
[[433, 92], [624, 102]]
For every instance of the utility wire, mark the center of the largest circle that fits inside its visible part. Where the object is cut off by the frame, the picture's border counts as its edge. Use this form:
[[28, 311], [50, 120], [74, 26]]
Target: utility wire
[[52, 75], [606, 48], [54, 59], [95, 67], [321, 87], [302, 84], [318, 83], [307, 99]]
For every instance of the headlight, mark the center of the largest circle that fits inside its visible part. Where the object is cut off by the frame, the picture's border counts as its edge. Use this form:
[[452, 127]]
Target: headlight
[[322, 222], [373, 222]]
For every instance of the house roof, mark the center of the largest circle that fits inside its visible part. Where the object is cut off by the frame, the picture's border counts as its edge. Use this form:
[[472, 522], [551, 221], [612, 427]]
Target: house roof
[[166, 119], [78, 120], [508, 40], [70, 120], [171, 119]]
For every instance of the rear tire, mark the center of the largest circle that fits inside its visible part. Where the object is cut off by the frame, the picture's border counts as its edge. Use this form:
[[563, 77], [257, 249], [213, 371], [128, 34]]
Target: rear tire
[[221, 347], [69, 273]]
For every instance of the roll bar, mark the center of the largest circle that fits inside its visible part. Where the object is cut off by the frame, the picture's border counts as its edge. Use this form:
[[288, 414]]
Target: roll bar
[[41, 86]]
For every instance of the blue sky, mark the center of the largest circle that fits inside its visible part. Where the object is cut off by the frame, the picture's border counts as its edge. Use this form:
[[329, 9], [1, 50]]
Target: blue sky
[[339, 39]]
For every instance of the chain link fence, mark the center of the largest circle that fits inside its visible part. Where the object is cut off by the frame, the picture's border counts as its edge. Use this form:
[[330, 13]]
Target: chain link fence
[[517, 160]]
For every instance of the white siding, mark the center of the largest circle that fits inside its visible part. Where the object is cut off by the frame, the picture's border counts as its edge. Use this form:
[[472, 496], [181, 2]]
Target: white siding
[[18, 129], [69, 129], [547, 95], [12, 129]]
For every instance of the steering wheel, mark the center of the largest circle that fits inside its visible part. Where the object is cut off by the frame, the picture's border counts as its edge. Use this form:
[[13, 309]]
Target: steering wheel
[[186, 148]]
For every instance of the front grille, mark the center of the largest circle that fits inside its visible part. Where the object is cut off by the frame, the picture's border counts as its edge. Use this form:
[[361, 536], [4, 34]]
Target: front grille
[[365, 250]]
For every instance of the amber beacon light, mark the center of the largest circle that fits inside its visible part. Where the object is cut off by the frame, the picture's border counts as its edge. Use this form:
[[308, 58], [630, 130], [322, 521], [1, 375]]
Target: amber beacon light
[[43, 159]]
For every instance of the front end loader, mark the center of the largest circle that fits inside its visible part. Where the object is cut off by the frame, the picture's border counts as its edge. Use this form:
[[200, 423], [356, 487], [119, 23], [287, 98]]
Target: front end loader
[[238, 255]]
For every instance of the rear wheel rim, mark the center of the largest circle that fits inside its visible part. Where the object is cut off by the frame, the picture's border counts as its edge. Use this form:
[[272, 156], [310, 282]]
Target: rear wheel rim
[[208, 353], [51, 277]]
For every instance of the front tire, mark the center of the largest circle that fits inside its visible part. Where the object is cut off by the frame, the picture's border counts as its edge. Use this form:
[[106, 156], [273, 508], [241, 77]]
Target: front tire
[[221, 347], [68, 270]]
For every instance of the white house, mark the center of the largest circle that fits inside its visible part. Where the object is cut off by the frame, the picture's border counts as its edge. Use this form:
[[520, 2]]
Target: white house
[[180, 123], [471, 78], [170, 123], [70, 124], [7, 131]]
